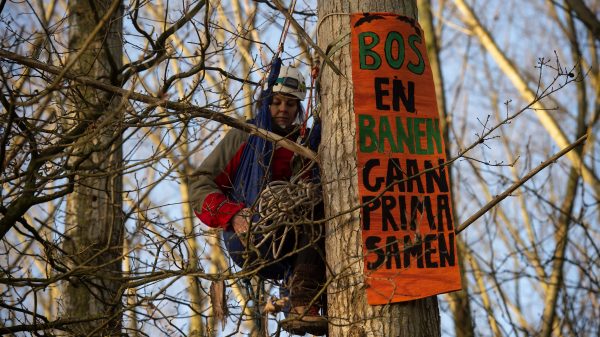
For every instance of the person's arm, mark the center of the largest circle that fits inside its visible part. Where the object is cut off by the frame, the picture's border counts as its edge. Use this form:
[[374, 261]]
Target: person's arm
[[211, 183]]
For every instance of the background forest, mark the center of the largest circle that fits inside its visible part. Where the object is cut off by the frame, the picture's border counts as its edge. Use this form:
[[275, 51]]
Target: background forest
[[108, 105]]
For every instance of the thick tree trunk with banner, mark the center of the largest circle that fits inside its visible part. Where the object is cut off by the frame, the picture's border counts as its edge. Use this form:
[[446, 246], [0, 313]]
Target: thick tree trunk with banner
[[94, 220], [361, 301]]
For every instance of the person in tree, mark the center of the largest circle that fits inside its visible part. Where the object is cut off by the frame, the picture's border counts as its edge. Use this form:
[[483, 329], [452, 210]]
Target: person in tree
[[299, 259]]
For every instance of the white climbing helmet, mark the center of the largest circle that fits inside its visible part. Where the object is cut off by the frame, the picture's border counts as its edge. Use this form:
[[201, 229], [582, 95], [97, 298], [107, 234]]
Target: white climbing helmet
[[290, 82]]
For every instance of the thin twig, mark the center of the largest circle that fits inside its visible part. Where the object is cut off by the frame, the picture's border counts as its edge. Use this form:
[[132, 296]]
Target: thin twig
[[517, 184]]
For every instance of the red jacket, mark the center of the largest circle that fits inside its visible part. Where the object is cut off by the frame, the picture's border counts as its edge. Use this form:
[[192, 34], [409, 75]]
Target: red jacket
[[211, 184]]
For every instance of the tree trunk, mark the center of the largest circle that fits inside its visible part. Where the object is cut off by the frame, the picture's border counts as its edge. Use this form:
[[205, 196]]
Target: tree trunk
[[94, 219], [556, 284], [459, 300], [196, 299], [349, 313]]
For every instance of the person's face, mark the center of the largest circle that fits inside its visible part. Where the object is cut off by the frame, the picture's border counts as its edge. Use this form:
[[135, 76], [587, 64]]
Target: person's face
[[283, 110]]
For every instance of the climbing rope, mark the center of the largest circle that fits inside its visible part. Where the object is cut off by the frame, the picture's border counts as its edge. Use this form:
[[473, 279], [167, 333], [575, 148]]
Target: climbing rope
[[284, 205], [286, 27]]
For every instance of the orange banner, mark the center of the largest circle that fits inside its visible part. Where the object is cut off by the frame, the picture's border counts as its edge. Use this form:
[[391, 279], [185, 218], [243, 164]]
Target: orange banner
[[408, 234]]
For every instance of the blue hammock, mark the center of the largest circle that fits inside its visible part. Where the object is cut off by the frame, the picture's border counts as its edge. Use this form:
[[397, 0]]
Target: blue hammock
[[253, 172]]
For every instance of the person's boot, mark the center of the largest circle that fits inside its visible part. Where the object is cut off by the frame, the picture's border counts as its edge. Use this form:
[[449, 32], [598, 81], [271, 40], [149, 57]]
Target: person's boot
[[302, 320]]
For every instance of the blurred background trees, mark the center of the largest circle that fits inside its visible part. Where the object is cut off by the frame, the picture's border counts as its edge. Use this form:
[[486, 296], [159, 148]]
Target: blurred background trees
[[106, 108]]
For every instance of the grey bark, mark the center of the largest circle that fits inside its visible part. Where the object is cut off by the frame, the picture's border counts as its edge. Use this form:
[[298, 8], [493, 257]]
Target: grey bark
[[94, 219]]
